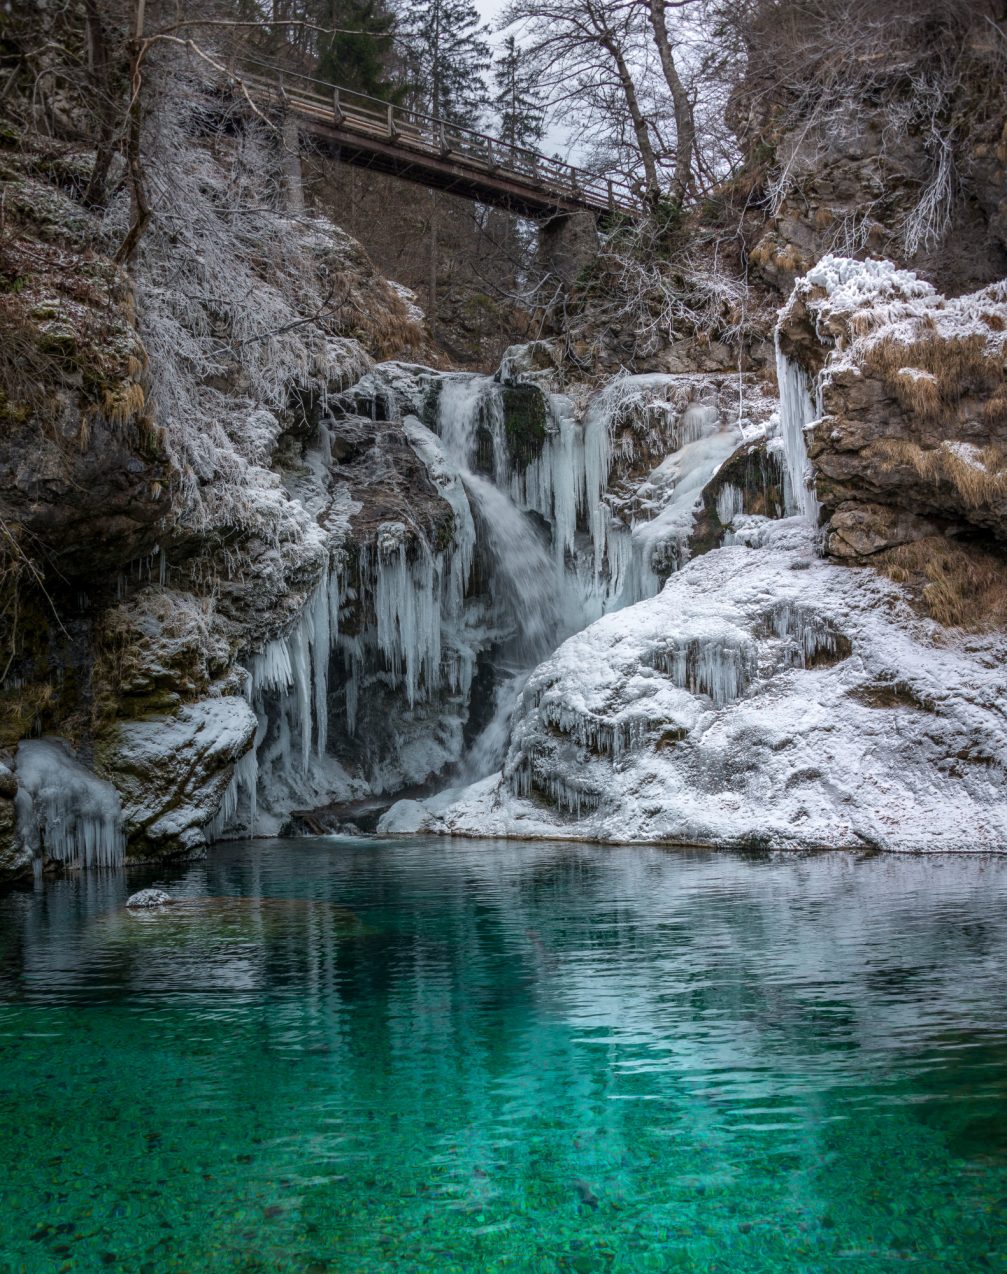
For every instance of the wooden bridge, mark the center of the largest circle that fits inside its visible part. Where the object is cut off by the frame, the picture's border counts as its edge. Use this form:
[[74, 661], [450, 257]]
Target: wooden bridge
[[370, 133]]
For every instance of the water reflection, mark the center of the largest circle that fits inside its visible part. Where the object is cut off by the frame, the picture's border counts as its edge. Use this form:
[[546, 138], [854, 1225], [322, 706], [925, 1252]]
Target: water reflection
[[543, 1056]]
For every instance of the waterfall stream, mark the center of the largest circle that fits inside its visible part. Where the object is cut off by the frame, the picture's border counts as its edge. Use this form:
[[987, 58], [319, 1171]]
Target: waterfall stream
[[526, 581]]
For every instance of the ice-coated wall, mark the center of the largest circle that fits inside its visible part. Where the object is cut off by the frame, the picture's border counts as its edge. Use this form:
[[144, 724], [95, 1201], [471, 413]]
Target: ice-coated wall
[[65, 812]]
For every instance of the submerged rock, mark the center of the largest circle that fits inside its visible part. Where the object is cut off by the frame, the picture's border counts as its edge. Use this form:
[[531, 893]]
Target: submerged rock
[[149, 898]]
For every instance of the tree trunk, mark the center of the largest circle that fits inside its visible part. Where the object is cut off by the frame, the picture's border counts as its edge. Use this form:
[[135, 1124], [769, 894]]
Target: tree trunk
[[636, 115], [685, 121], [139, 203], [290, 164], [101, 74]]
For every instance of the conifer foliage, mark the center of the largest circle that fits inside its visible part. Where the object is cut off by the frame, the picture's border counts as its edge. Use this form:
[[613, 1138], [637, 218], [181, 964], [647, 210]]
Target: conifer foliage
[[359, 54], [519, 109], [445, 49]]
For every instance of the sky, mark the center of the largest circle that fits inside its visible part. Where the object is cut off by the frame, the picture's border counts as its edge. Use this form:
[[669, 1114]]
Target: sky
[[490, 9], [557, 139]]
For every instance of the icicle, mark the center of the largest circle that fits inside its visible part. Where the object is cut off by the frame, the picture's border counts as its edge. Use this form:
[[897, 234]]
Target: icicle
[[730, 502], [271, 668], [406, 605], [66, 812], [805, 634], [797, 410], [244, 781], [321, 648], [722, 668]]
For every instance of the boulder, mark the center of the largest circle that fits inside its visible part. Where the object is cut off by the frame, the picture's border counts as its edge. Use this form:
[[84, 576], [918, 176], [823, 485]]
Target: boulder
[[172, 772]]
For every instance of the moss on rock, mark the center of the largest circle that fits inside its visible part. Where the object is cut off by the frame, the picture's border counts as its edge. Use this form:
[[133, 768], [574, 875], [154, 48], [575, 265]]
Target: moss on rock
[[525, 422]]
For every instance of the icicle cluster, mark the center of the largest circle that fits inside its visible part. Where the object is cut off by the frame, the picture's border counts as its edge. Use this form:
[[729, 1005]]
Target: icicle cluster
[[721, 667], [566, 795], [730, 502], [603, 738], [65, 812], [805, 634], [244, 781]]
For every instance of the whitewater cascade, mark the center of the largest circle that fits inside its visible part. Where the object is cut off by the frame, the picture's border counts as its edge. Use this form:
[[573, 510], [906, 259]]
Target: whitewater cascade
[[539, 548]]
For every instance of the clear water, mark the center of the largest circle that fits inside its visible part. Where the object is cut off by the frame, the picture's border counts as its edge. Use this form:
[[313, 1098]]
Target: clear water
[[386, 1056]]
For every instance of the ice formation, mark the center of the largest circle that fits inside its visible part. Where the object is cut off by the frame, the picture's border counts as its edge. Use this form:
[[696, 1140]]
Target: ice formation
[[540, 545], [763, 697], [65, 812], [797, 411]]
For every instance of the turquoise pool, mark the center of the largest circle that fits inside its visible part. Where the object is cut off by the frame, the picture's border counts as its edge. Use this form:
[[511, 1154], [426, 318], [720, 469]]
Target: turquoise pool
[[365, 1056]]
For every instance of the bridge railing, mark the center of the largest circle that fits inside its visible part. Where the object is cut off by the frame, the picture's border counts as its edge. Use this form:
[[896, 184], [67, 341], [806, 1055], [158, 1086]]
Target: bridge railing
[[410, 129]]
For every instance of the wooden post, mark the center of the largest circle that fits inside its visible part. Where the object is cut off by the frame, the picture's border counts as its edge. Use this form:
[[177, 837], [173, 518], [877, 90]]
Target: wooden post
[[433, 261], [393, 132], [337, 110], [290, 163]]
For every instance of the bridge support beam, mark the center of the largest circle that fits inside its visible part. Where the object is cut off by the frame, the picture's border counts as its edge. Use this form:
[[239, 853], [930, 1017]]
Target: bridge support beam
[[568, 243], [290, 166]]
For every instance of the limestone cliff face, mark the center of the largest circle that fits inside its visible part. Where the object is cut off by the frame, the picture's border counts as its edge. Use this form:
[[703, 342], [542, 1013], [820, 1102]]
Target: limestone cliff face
[[164, 509], [908, 440]]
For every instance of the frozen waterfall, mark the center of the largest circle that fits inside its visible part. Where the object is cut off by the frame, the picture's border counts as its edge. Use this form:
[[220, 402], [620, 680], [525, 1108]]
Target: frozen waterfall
[[560, 511], [64, 811], [797, 411]]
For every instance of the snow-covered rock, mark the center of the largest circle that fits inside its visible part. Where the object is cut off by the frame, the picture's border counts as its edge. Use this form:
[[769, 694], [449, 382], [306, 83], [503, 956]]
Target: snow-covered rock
[[764, 697], [147, 898], [894, 405], [174, 772]]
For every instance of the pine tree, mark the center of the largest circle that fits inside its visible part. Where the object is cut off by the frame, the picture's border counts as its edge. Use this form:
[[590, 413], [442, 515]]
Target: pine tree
[[518, 106], [359, 55], [445, 51]]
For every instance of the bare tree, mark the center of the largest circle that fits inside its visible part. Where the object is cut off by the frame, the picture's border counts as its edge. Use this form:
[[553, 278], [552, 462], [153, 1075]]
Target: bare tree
[[685, 120], [584, 48]]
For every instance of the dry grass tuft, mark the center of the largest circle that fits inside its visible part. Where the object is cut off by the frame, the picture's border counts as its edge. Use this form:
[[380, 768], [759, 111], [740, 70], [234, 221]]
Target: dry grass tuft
[[995, 408], [977, 476], [932, 374], [21, 709], [123, 403], [957, 585], [919, 392]]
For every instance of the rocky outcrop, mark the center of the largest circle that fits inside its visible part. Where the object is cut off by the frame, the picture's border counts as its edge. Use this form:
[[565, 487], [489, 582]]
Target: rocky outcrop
[[167, 498], [173, 772], [850, 190], [908, 394], [764, 698], [896, 151]]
